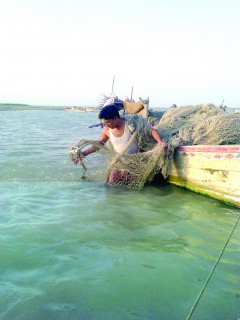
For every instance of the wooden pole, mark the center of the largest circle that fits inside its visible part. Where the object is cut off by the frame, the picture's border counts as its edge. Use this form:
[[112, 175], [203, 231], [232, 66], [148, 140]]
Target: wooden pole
[[131, 93], [113, 85], [222, 103]]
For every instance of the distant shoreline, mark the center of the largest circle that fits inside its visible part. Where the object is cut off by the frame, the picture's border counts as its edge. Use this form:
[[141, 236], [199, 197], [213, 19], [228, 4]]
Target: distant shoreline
[[20, 107]]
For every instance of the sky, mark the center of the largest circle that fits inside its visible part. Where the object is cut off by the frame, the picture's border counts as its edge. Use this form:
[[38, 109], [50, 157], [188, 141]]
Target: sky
[[67, 52]]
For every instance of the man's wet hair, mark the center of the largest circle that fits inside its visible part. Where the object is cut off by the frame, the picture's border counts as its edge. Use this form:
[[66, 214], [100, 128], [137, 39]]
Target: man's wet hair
[[109, 112]]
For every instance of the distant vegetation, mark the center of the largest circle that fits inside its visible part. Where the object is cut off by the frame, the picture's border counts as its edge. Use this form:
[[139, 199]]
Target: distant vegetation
[[24, 106], [14, 104]]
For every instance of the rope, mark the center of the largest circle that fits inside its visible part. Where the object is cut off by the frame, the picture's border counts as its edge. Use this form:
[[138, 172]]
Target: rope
[[211, 273]]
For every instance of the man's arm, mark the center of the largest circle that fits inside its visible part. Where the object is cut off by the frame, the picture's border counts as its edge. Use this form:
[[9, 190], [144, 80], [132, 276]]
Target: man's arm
[[103, 139], [157, 137]]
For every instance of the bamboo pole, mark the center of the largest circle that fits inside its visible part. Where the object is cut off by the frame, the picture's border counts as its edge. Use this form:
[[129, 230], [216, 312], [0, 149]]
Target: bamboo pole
[[113, 85], [132, 94]]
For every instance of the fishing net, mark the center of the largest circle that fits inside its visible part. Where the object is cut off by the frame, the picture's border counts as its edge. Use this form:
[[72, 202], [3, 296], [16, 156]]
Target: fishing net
[[186, 125]]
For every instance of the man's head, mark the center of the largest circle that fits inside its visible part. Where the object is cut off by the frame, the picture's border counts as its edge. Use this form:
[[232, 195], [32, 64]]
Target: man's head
[[109, 116], [109, 112]]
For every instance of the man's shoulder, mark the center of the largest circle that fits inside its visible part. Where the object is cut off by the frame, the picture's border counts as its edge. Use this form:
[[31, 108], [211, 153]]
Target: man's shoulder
[[105, 131]]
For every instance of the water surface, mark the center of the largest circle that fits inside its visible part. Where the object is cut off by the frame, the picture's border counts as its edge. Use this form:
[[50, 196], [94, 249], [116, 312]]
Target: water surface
[[72, 249]]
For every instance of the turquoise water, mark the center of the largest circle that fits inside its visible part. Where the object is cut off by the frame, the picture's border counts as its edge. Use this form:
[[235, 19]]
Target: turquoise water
[[72, 249]]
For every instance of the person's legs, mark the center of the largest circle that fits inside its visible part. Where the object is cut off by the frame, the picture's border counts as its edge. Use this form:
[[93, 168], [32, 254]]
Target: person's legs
[[120, 177]]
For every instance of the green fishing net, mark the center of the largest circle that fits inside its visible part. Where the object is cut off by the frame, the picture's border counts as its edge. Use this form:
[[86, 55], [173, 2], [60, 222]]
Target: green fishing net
[[185, 125]]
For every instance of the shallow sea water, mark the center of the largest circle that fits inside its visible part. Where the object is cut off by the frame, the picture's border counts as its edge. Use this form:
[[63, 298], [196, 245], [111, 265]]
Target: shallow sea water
[[72, 249]]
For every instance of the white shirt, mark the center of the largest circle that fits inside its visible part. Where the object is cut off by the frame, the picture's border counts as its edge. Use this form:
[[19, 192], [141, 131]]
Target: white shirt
[[120, 143]]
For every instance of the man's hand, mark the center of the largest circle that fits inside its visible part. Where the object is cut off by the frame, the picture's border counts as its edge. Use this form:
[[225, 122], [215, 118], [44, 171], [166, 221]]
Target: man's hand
[[78, 159], [163, 144], [75, 155]]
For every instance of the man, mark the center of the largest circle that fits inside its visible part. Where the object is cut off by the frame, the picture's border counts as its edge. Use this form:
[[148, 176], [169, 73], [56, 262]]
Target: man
[[116, 130]]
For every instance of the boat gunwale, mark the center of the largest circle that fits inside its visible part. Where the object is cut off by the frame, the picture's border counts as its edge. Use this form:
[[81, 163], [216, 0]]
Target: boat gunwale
[[210, 148]]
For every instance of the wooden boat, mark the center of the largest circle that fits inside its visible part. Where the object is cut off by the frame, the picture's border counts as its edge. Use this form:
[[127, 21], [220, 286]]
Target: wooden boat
[[208, 169], [90, 109], [79, 109], [212, 170], [75, 109]]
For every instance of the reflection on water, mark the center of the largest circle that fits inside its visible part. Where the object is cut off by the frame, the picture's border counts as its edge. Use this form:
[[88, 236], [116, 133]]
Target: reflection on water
[[72, 249]]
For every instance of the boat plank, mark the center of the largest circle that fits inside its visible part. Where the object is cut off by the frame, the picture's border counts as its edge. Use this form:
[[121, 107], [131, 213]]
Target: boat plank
[[214, 161], [228, 178], [212, 170]]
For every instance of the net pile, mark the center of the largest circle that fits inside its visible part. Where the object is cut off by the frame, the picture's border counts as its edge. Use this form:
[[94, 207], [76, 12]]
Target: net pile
[[186, 125]]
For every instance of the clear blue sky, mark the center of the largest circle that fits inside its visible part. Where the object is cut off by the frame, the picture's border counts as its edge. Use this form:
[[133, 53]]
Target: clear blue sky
[[66, 52]]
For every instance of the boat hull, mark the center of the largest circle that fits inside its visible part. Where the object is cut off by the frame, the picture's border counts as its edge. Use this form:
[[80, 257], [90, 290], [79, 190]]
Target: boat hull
[[209, 170]]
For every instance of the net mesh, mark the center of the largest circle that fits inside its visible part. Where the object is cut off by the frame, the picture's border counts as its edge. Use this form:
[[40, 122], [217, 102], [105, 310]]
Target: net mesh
[[186, 125]]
